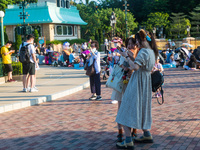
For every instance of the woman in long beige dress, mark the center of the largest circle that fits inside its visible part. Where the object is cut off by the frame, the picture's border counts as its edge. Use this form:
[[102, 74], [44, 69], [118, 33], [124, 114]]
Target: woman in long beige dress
[[135, 109]]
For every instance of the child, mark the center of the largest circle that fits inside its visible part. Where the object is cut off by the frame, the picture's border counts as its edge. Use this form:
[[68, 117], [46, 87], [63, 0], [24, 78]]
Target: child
[[158, 66]]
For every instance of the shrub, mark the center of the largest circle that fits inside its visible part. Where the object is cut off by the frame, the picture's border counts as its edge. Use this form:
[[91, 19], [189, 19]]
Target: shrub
[[17, 69], [77, 41]]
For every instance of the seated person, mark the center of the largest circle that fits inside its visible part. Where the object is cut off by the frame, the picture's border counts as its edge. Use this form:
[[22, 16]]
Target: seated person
[[192, 63], [73, 59]]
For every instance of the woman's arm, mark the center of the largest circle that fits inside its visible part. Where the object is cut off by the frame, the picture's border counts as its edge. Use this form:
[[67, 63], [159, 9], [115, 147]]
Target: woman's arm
[[133, 66]]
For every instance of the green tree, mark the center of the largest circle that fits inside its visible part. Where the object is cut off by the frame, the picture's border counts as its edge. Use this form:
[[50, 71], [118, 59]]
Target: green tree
[[36, 34], [178, 27], [99, 22], [18, 40], [157, 19], [195, 17]]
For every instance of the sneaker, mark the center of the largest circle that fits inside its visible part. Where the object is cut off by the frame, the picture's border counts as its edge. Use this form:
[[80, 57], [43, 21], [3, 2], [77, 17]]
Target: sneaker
[[120, 138], [12, 80], [33, 90], [24, 90], [144, 139], [9, 80], [99, 98], [92, 97], [114, 102], [36, 88], [124, 145]]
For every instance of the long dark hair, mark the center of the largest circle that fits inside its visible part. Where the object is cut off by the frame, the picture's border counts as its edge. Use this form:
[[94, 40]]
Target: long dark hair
[[141, 36]]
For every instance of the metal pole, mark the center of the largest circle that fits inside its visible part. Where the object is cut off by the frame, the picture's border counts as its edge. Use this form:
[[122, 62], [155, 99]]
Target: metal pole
[[126, 18], [24, 15], [2, 32]]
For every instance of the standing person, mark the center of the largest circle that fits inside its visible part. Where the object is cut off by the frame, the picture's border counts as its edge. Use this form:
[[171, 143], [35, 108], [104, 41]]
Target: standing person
[[29, 68], [7, 61], [135, 109], [106, 46], [133, 51], [75, 48], [42, 50], [84, 46], [95, 83]]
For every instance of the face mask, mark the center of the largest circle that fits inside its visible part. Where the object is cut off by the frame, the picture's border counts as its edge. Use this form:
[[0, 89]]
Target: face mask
[[93, 50], [9, 47]]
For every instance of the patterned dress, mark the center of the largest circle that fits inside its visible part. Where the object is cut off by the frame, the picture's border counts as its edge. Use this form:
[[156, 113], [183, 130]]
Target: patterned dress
[[135, 109]]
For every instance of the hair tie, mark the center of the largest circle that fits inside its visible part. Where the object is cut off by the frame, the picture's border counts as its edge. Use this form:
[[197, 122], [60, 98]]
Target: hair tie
[[148, 38]]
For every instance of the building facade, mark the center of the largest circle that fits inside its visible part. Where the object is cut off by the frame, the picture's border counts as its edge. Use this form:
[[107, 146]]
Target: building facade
[[54, 20]]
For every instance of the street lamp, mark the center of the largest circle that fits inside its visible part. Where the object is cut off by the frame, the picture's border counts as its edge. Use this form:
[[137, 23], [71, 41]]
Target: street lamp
[[188, 31], [2, 30], [112, 23]]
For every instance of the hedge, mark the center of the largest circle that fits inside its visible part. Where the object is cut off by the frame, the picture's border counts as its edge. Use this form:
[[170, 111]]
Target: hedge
[[77, 41]]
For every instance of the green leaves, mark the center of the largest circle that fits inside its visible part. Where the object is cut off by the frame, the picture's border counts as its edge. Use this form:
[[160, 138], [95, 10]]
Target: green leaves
[[99, 22]]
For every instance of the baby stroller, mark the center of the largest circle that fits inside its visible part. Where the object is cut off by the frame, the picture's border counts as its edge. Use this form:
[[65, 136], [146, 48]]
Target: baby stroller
[[105, 70], [180, 56], [55, 56]]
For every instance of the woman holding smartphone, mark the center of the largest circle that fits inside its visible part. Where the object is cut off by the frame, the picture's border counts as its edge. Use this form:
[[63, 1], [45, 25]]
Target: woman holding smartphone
[[132, 50], [135, 109]]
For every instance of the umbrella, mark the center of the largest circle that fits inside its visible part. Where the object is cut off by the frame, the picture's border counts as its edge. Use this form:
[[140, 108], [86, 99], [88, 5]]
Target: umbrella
[[187, 44], [55, 55], [113, 49], [186, 51], [86, 52]]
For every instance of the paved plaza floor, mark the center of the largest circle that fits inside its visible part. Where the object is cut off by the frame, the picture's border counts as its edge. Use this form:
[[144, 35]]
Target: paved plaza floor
[[75, 123]]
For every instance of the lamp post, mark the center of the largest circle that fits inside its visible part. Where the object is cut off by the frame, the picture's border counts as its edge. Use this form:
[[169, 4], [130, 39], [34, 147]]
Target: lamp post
[[112, 23], [2, 30]]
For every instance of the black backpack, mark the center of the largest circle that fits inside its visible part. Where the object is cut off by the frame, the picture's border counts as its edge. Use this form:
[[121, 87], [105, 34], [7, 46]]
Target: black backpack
[[157, 80], [24, 56]]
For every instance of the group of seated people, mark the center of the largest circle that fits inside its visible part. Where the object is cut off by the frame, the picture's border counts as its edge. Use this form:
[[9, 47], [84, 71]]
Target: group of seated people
[[189, 60]]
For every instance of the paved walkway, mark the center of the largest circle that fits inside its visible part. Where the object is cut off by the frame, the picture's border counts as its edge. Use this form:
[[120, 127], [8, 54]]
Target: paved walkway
[[51, 82], [75, 123]]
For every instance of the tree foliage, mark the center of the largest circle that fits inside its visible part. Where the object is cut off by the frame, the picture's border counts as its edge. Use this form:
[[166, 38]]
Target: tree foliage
[[157, 19], [99, 22], [195, 21], [36, 35], [178, 28]]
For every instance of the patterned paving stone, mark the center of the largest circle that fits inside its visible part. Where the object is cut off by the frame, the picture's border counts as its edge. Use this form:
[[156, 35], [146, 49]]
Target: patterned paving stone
[[75, 123]]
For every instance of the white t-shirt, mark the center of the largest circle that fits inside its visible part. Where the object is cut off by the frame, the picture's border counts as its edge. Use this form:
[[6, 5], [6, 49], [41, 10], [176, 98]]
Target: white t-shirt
[[31, 50]]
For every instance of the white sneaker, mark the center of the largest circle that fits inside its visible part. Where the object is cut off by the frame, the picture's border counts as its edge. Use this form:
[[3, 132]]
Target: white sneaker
[[24, 90], [33, 90], [114, 102], [28, 89]]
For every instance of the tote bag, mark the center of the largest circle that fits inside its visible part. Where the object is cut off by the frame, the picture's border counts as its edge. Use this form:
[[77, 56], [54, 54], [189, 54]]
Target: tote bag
[[115, 80]]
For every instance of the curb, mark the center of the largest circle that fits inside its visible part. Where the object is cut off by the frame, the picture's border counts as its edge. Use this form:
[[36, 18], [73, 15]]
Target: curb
[[39, 100]]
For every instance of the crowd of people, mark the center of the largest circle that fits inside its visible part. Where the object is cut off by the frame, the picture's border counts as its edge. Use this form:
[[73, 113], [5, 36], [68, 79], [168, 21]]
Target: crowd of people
[[137, 58]]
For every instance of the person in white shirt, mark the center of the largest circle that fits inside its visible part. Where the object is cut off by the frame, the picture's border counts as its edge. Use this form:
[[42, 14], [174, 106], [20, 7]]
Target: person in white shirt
[[29, 68], [95, 83]]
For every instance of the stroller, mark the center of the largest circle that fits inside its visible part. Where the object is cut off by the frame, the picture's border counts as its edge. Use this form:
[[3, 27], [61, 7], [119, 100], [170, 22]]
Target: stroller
[[105, 69], [180, 56]]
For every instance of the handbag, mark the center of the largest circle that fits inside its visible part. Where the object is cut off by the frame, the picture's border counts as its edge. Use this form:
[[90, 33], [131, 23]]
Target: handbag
[[90, 69], [86, 66], [115, 80]]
